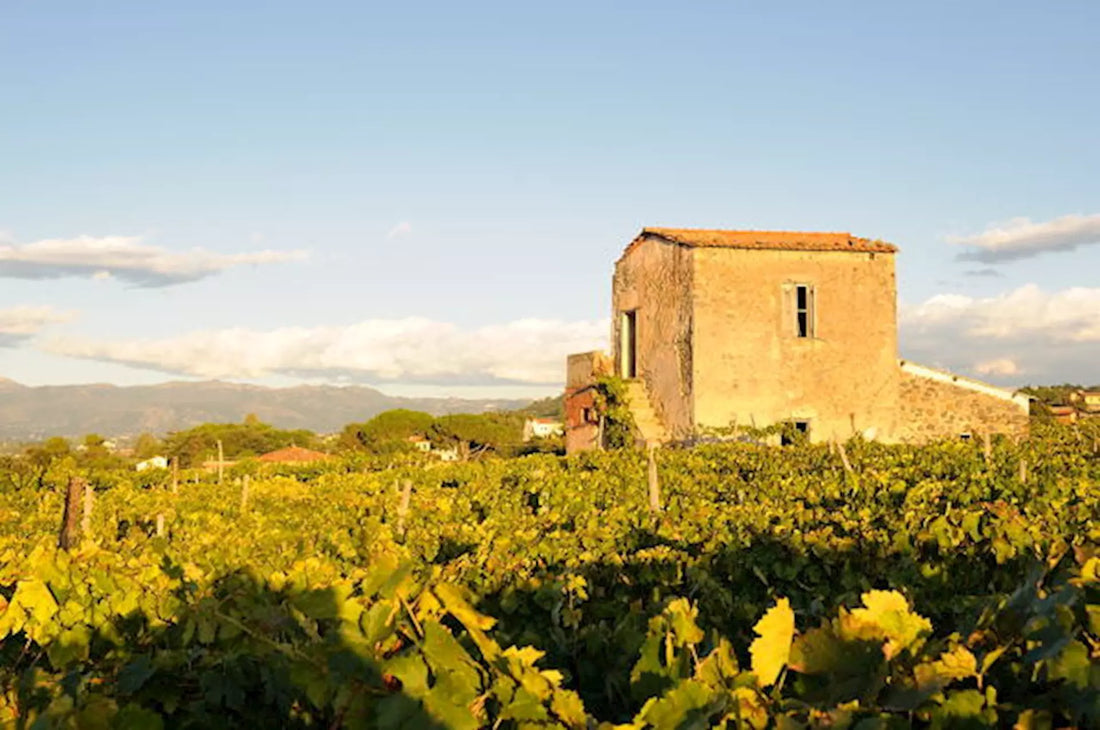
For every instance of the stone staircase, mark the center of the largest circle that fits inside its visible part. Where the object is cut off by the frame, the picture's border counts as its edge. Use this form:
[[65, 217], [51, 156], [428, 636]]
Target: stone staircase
[[648, 428]]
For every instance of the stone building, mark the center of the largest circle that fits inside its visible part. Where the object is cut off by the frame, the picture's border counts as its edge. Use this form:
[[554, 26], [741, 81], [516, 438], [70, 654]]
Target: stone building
[[713, 329]]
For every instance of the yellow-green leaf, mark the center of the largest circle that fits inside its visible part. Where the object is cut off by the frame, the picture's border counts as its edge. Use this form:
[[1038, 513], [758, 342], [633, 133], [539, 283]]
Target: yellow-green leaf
[[886, 615], [772, 649]]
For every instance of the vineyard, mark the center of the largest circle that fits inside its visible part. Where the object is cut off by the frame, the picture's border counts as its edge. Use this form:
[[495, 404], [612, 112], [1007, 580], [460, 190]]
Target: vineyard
[[885, 586]]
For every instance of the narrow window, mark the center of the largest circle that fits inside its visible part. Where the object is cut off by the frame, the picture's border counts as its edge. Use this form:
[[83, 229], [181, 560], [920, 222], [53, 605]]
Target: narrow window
[[628, 345], [804, 310]]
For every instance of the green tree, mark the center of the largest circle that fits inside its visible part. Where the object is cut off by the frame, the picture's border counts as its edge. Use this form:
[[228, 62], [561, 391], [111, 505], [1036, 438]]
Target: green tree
[[387, 432], [43, 456], [49, 451], [501, 433], [239, 440], [148, 446], [94, 454]]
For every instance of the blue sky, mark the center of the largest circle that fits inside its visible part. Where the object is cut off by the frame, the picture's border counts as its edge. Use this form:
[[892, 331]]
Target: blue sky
[[430, 197]]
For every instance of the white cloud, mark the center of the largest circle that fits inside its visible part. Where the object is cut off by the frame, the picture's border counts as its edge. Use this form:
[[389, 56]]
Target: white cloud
[[1000, 366], [403, 228], [1050, 336], [1070, 315], [1021, 238], [411, 350], [21, 323], [124, 257]]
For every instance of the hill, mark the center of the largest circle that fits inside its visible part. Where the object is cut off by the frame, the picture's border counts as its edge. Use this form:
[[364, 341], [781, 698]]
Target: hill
[[28, 413]]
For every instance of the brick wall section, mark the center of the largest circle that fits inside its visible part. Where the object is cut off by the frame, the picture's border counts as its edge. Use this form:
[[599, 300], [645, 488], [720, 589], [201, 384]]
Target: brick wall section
[[580, 434], [582, 370], [936, 405]]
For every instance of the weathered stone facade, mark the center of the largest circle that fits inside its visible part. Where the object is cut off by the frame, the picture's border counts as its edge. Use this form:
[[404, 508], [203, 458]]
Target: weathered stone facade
[[934, 404], [655, 281], [752, 328], [751, 368]]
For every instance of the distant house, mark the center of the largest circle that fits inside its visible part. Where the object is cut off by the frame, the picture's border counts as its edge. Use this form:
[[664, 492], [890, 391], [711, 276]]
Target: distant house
[[156, 462], [420, 443], [1063, 414], [447, 454], [1087, 402], [293, 455], [541, 428]]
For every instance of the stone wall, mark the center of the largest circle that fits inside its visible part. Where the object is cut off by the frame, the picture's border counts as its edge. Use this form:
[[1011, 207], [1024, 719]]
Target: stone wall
[[938, 405]]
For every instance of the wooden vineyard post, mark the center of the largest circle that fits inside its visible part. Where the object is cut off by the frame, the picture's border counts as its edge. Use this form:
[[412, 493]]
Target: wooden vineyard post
[[175, 474], [1023, 471], [987, 448], [403, 506], [89, 503], [69, 518], [654, 484], [160, 524], [244, 493], [843, 456], [221, 461]]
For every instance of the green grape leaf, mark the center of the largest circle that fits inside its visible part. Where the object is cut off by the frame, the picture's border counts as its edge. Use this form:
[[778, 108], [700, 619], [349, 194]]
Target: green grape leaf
[[135, 717]]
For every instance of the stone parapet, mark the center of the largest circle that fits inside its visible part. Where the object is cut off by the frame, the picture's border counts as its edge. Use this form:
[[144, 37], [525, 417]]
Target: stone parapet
[[935, 405]]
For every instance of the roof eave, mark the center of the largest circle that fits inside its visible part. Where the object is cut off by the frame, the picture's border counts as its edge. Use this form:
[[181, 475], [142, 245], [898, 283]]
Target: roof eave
[[874, 245]]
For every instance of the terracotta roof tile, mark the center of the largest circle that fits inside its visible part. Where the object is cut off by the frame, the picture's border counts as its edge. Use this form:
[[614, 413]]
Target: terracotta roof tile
[[763, 240]]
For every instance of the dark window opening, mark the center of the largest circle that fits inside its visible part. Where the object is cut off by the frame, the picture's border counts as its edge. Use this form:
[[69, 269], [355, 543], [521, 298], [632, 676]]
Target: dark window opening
[[800, 427], [588, 415], [964, 437], [804, 310], [628, 350]]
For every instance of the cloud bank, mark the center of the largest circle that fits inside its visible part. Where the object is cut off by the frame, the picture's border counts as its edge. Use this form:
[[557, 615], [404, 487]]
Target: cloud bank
[[410, 350], [123, 257], [1020, 238], [1026, 332], [18, 324]]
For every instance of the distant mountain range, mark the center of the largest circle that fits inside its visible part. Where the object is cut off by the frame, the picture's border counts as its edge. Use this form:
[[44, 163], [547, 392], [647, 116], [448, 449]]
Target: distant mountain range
[[32, 413]]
